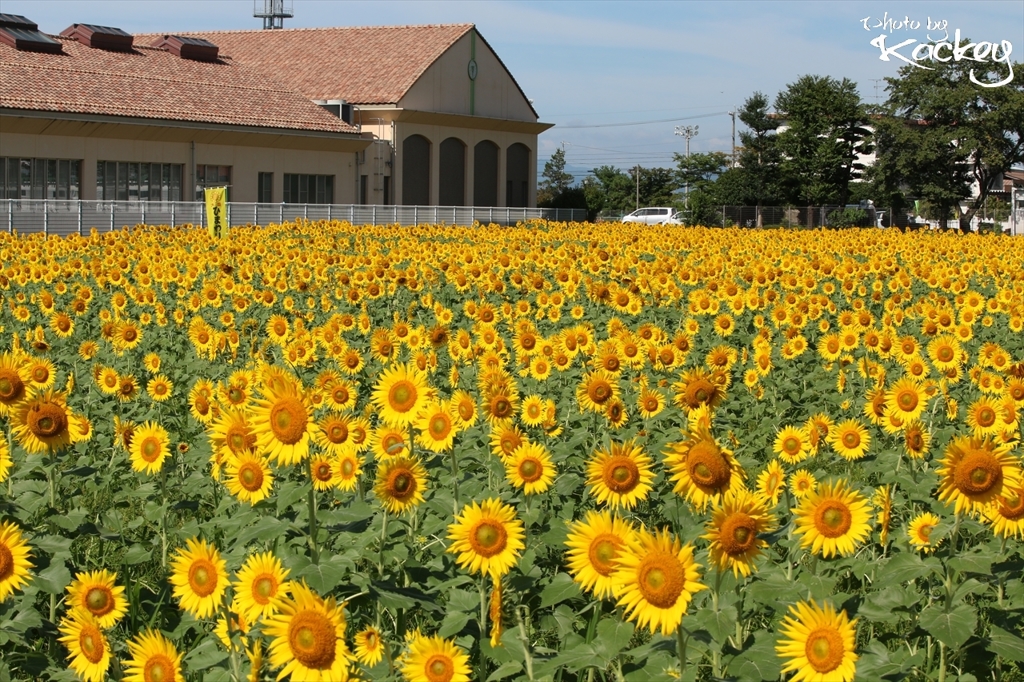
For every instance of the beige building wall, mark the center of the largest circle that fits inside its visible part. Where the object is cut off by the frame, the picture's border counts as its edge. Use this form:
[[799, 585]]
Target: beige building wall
[[246, 161]]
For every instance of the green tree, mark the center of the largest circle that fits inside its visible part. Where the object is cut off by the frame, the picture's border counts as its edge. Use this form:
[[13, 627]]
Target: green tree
[[825, 134], [556, 179], [940, 133], [759, 158], [702, 171]]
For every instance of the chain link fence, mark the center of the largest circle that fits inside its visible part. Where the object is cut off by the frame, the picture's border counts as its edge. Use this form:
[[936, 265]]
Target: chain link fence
[[80, 217]]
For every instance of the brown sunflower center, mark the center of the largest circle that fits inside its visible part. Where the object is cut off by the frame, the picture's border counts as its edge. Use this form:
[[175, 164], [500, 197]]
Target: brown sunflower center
[[925, 531], [250, 476], [439, 668], [986, 417], [47, 420], [90, 641], [915, 441], [1011, 507], [738, 533], [488, 538], [348, 467], [440, 426], [392, 443], [288, 420], [599, 391], [158, 668], [501, 407], [340, 395], [402, 484], [99, 600], [661, 579], [40, 374], [621, 474], [466, 410], [6, 562], [202, 577], [851, 438], [791, 446], [530, 470], [824, 650], [322, 471], [833, 519], [907, 400], [604, 549], [707, 466], [945, 354], [699, 391], [978, 473], [402, 396], [264, 588], [312, 639], [150, 449]]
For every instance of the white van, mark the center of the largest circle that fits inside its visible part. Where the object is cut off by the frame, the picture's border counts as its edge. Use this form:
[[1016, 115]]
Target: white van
[[648, 216]]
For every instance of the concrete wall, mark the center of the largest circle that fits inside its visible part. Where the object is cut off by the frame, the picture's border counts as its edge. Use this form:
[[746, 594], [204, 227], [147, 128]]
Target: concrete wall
[[445, 85], [246, 162]]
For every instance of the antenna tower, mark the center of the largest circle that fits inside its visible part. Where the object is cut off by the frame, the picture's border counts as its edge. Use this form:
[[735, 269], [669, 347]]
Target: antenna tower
[[273, 12]]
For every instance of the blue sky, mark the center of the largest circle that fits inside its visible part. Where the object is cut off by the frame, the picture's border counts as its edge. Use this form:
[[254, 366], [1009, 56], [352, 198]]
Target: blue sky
[[602, 63]]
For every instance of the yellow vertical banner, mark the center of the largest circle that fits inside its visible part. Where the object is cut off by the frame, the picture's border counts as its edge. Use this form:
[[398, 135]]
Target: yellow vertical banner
[[217, 211]]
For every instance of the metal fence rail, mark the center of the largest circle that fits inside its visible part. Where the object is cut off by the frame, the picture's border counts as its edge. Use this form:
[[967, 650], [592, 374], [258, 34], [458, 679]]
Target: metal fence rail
[[58, 217]]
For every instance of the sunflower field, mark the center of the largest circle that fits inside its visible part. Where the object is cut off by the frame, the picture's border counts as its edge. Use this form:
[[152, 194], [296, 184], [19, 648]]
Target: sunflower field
[[582, 453]]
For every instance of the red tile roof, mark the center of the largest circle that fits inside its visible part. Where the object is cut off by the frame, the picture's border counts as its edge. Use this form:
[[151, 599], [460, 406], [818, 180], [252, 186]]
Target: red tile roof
[[154, 84], [362, 65]]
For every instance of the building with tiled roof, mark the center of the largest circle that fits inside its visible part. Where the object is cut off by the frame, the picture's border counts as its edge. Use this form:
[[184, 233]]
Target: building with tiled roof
[[416, 115]]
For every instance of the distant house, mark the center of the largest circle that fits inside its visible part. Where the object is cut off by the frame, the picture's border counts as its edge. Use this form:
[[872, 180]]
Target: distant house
[[415, 115]]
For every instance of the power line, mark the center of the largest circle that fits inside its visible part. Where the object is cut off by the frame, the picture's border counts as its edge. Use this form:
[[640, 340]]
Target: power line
[[629, 111], [642, 123]]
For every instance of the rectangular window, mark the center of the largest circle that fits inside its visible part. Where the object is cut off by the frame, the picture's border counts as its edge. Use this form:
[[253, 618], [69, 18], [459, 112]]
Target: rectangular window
[[39, 178], [208, 175], [265, 188], [135, 181], [308, 189], [363, 182], [386, 199]]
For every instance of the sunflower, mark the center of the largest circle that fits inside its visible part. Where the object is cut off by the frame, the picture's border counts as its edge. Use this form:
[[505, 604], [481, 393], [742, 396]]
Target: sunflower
[[347, 469], [248, 476], [308, 638], [802, 483], [487, 538], [945, 352], [850, 439], [906, 400], [281, 423], [321, 471], [198, 577], [400, 483], [433, 659], [500, 406], [916, 440], [531, 412], [436, 426], [650, 403], [341, 395], [1007, 514], [150, 447], [153, 658], [594, 544], [108, 380], [41, 373], [833, 520], [701, 469], [159, 388], [127, 388], [983, 416], [620, 476], [369, 646], [771, 482], [14, 560], [464, 407], [42, 423], [734, 531], [697, 387], [389, 441], [792, 445], [920, 532], [882, 500], [596, 389], [96, 593], [818, 644], [529, 467], [88, 648], [333, 433], [655, 579], [400, 393], [260, 586], [5, 459], [976, 472], [505, 440]]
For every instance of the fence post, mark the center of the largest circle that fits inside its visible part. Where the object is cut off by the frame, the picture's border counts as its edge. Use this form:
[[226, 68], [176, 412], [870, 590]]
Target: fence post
[[281, 220], [374, 210], [46, 217], [328, 212], [79, 217], [10, 216], [113, 209], [415, 215]]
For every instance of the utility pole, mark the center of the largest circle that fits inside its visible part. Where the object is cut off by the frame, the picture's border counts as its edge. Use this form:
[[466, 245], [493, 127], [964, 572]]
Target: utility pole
[[687, 132], [638, 186], [733, 155]]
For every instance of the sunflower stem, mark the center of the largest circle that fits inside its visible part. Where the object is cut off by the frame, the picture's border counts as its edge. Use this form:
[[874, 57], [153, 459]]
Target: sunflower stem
[[455, 479], [525, 639], [681, 649], [236, 666], [163, 518], [942, 662], [312, 513], [383, 541], [482, 671]]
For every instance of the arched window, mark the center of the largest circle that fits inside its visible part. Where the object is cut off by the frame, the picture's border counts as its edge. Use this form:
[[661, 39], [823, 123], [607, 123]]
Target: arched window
[[452, 180], [485, 174], [416, 171], [517, 175]]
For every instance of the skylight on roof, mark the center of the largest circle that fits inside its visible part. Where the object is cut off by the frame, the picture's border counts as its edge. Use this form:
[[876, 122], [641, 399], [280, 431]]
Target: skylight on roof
[[23, 34]]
